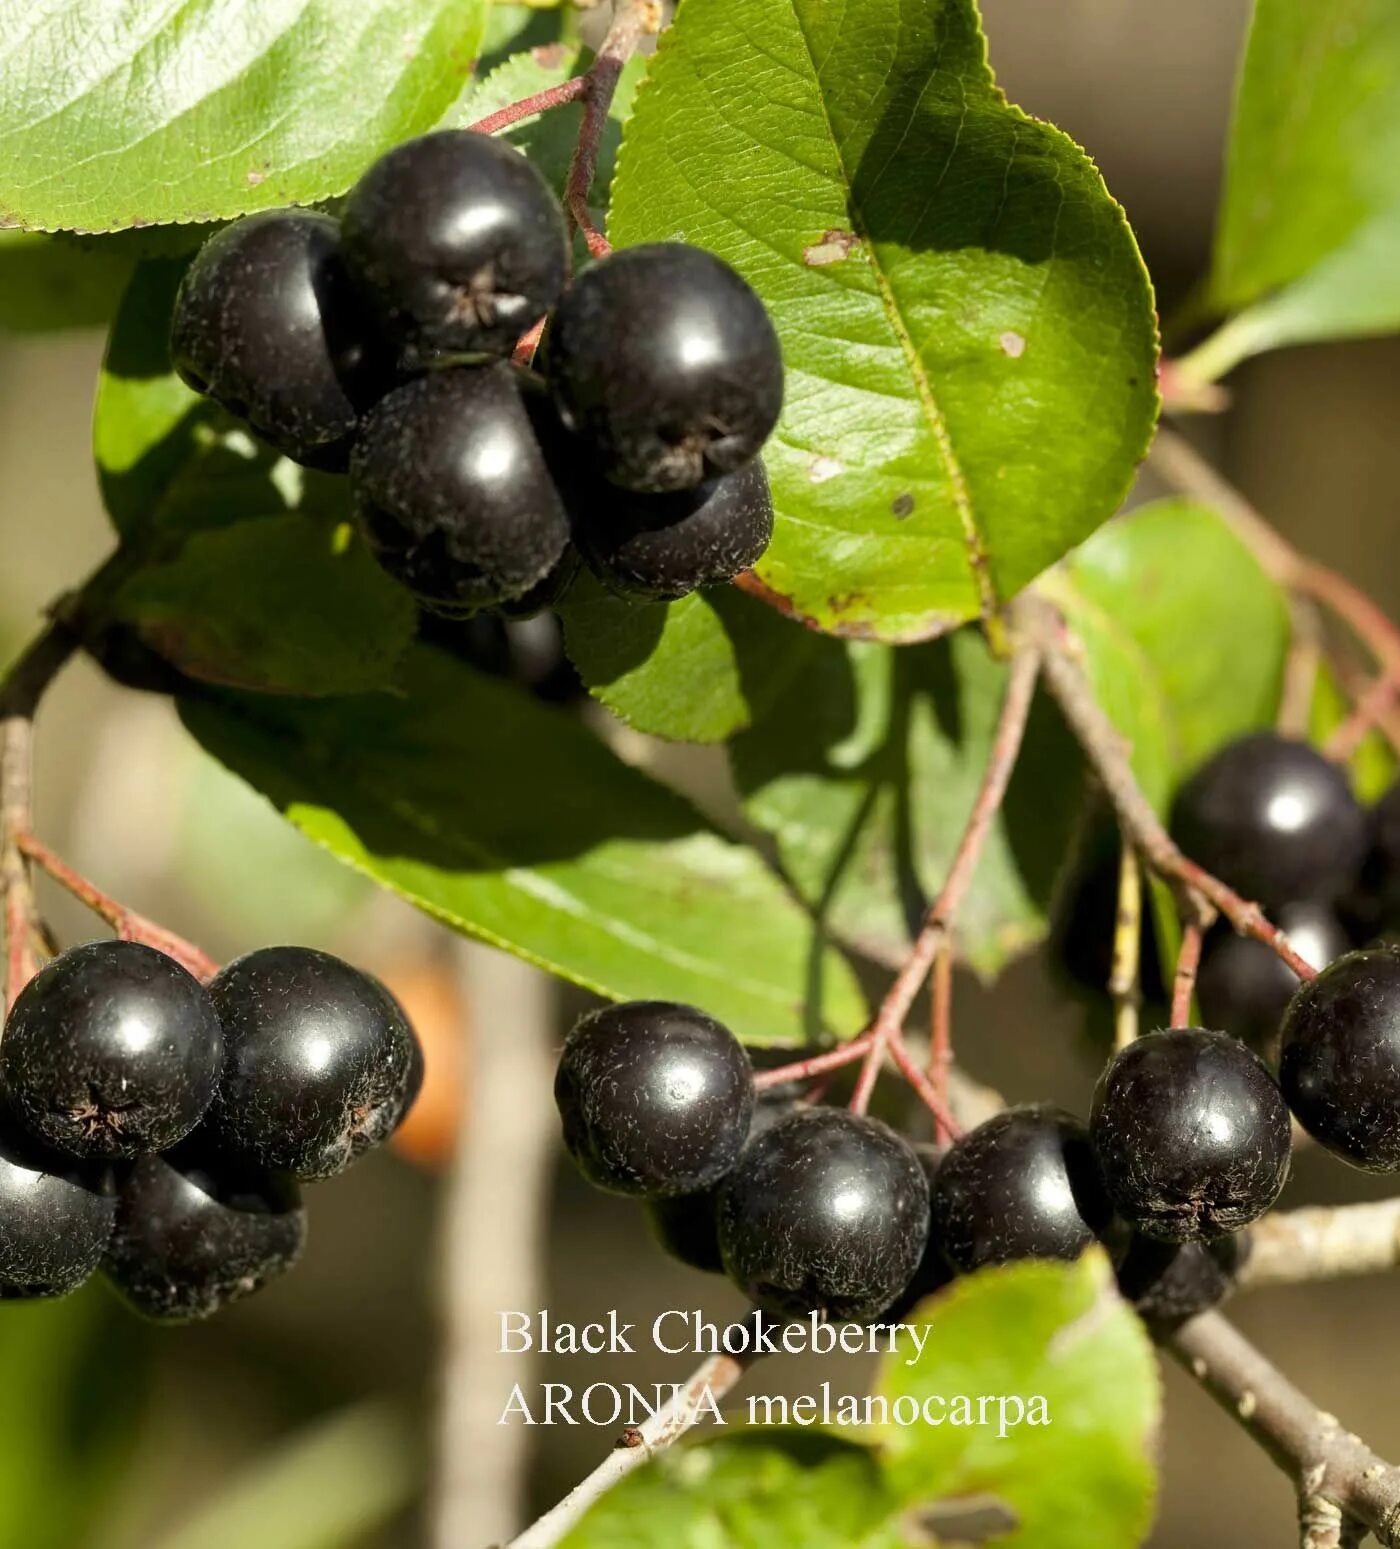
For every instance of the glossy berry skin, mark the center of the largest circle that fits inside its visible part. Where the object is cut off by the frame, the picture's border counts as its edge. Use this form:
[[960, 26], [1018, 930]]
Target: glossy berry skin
[[666, 546], [111, 1050], [194, 1233], [933, 1272], [457, 242], [828, 1213], [1169, 1282], [56, 1218], [453, 491], [1244, 986], [319, 1064], [684, 1225], [1274, 819], [1339, 1063], [267, 324], [1022, 1185], [1191, 1133], [665, 365], [655, 1098]]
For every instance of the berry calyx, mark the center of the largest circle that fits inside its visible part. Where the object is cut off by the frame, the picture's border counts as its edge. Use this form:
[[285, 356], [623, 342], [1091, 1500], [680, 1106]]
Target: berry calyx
[[1274, 819], [666, 546], [267, 324], [828, 1212], [1339, 1060], [1024, 1184], [655, 1098], [664, 363], [1244, 986], [453, 491], [458, 243], [1191, 1133], [111, 1050], [319, 1062], [195, 1232], [55, 1219]]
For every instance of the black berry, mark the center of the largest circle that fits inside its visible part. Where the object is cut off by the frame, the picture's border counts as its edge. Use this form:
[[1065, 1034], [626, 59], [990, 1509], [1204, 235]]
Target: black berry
[[195, 1232], [1024, 1184], [828, 1212], [1274, 819], [458, 243], [655, 1098], [1244, 986], [319, 1063], [664, 363], [1339, 1063], [933, 1272], [1192, 1134], [684, 1225], [111, 1050], [55, 1219], [1169, 1282], [267, 323], [1376, 906], [665, 546], [453, 491]]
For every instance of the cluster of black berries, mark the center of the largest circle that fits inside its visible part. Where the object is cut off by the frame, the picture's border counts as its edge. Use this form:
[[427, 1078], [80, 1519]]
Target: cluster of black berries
[[380, 344], [159, 1129]]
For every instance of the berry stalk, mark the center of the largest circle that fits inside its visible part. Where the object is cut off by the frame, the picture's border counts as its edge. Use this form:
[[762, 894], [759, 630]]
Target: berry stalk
[[531, 107], [1188, 963]]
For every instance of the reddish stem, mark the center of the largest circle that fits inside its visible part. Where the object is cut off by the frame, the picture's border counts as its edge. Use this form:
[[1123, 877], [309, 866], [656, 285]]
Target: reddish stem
[[940, 1058], [597, 244], [530, 107], [127, 923], [816, 1064], [943, 1118], [1188, 963], [528, 343], [1368, 714]]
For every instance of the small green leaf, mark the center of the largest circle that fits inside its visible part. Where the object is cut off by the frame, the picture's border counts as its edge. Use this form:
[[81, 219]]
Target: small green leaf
[[966, 322], [293, 604], [511, 822], [697, 670], [128, 115], [1373, 764], [778, 1489], [1310, 217], [1057, 1332], [865, 770], [52, 283]]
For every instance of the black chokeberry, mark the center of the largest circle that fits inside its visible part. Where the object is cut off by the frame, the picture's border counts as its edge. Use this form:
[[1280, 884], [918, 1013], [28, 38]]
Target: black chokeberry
[[1192, 1134], [1339, 1061], [453, 490], [195, 1232], [1379, 895], [56, 1219], [665, 546], [319, 1062], [828, 1212], [1274, 819], [1023, 1184], [665, 365], [111, 1050], [1169, 1282], [458, 243], [267, 323], [684, 1225], [655, 1098], [933, 1272], [1244, 986]]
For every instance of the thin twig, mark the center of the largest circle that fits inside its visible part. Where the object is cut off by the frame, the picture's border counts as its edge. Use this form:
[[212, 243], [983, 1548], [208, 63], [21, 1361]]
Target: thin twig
[[597, 244], [1289, 1247], [531, 107], [816, 1064], [940, 1043], [1300, 669], [1124, 979], [1325, 1462], [715, 1377], [1367, 715], [1188, 963]]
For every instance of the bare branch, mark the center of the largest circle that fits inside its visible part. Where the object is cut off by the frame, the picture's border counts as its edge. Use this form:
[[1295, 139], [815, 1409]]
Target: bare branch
[[1322, 1243]]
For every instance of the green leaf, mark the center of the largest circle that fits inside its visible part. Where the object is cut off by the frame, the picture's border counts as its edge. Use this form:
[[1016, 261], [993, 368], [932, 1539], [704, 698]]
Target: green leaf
[[511, 822], [865, 770], [1184, 636], [294, 604], [697, 670], [1310, 217], [121, 115], [1054, 1331], [511, 29], [779, 1489], [1373, 764], [966, 321], [51, 283]]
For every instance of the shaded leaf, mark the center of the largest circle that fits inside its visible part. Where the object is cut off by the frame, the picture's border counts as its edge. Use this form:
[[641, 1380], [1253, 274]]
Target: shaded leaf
[[115, 116], [966, 322], [52, 283], [511, 822], [1373, 764]]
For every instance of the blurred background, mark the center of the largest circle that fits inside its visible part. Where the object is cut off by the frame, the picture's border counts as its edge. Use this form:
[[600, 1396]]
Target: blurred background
[[310, 1415]]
